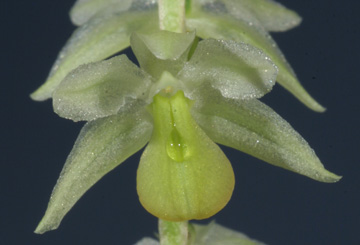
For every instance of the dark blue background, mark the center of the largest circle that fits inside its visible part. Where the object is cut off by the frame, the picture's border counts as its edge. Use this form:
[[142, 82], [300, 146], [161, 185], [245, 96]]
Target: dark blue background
[[269, 204]]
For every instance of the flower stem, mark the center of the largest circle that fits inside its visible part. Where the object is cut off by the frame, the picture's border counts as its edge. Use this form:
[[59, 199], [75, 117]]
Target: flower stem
[[172, 15], [173, 233]]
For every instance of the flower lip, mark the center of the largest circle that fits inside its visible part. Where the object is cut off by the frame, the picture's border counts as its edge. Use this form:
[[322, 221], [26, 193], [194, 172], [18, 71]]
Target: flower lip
[[182, 174]]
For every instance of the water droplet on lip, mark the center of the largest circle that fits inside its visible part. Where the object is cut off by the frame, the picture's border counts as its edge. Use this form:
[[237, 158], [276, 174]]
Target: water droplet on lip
[[176, 148]]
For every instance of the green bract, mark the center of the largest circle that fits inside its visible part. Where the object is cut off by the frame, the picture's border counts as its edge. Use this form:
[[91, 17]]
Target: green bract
[[182, 99], [106, 26]]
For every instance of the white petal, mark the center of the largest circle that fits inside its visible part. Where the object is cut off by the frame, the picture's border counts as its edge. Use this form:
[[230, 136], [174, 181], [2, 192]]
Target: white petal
[[215, 234], [272, 15], [100, 89], [147, 241], [83, 10], [254, 128], [98, 39], [237, 70], [101, 146], [220, 25]]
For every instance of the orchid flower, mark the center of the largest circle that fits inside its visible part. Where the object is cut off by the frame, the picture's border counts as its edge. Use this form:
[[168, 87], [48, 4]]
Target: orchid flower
[[105, 27], [186, 96]]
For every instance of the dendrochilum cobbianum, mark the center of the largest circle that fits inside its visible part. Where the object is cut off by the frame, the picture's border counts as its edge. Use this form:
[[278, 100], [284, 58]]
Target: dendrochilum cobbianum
[[203, 65], [184, 98]]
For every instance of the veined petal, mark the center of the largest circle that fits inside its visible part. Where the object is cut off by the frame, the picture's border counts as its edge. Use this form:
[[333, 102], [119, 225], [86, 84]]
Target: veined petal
[[101, 146], [162, 51], [83, 10], [221, 26], [182, 174], [237, 70], [252, 127], [98, 39], [99, 89], [272, 15]]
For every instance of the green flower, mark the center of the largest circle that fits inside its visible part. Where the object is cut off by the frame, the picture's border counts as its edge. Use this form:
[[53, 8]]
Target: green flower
[[106, 25], [186, 95]]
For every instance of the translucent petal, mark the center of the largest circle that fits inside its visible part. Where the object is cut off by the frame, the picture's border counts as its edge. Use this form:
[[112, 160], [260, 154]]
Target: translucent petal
[[162, 51], [98, 39], [182, 174], [252, 127], [99, 89], [221, 26], [83, 10], [272, 15], [237, 70], [215, 234], [101, 146]]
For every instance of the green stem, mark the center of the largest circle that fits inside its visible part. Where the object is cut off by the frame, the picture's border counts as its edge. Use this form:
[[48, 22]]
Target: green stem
[[173, 233], [172, 15]]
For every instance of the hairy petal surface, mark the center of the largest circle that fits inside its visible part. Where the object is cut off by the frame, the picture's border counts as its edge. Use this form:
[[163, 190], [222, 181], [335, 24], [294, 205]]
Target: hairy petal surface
[[220, 26], [98, 39], [237, 70], [99, 89], [83, 10], [254, 128], [182, 174], [101, 146]]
